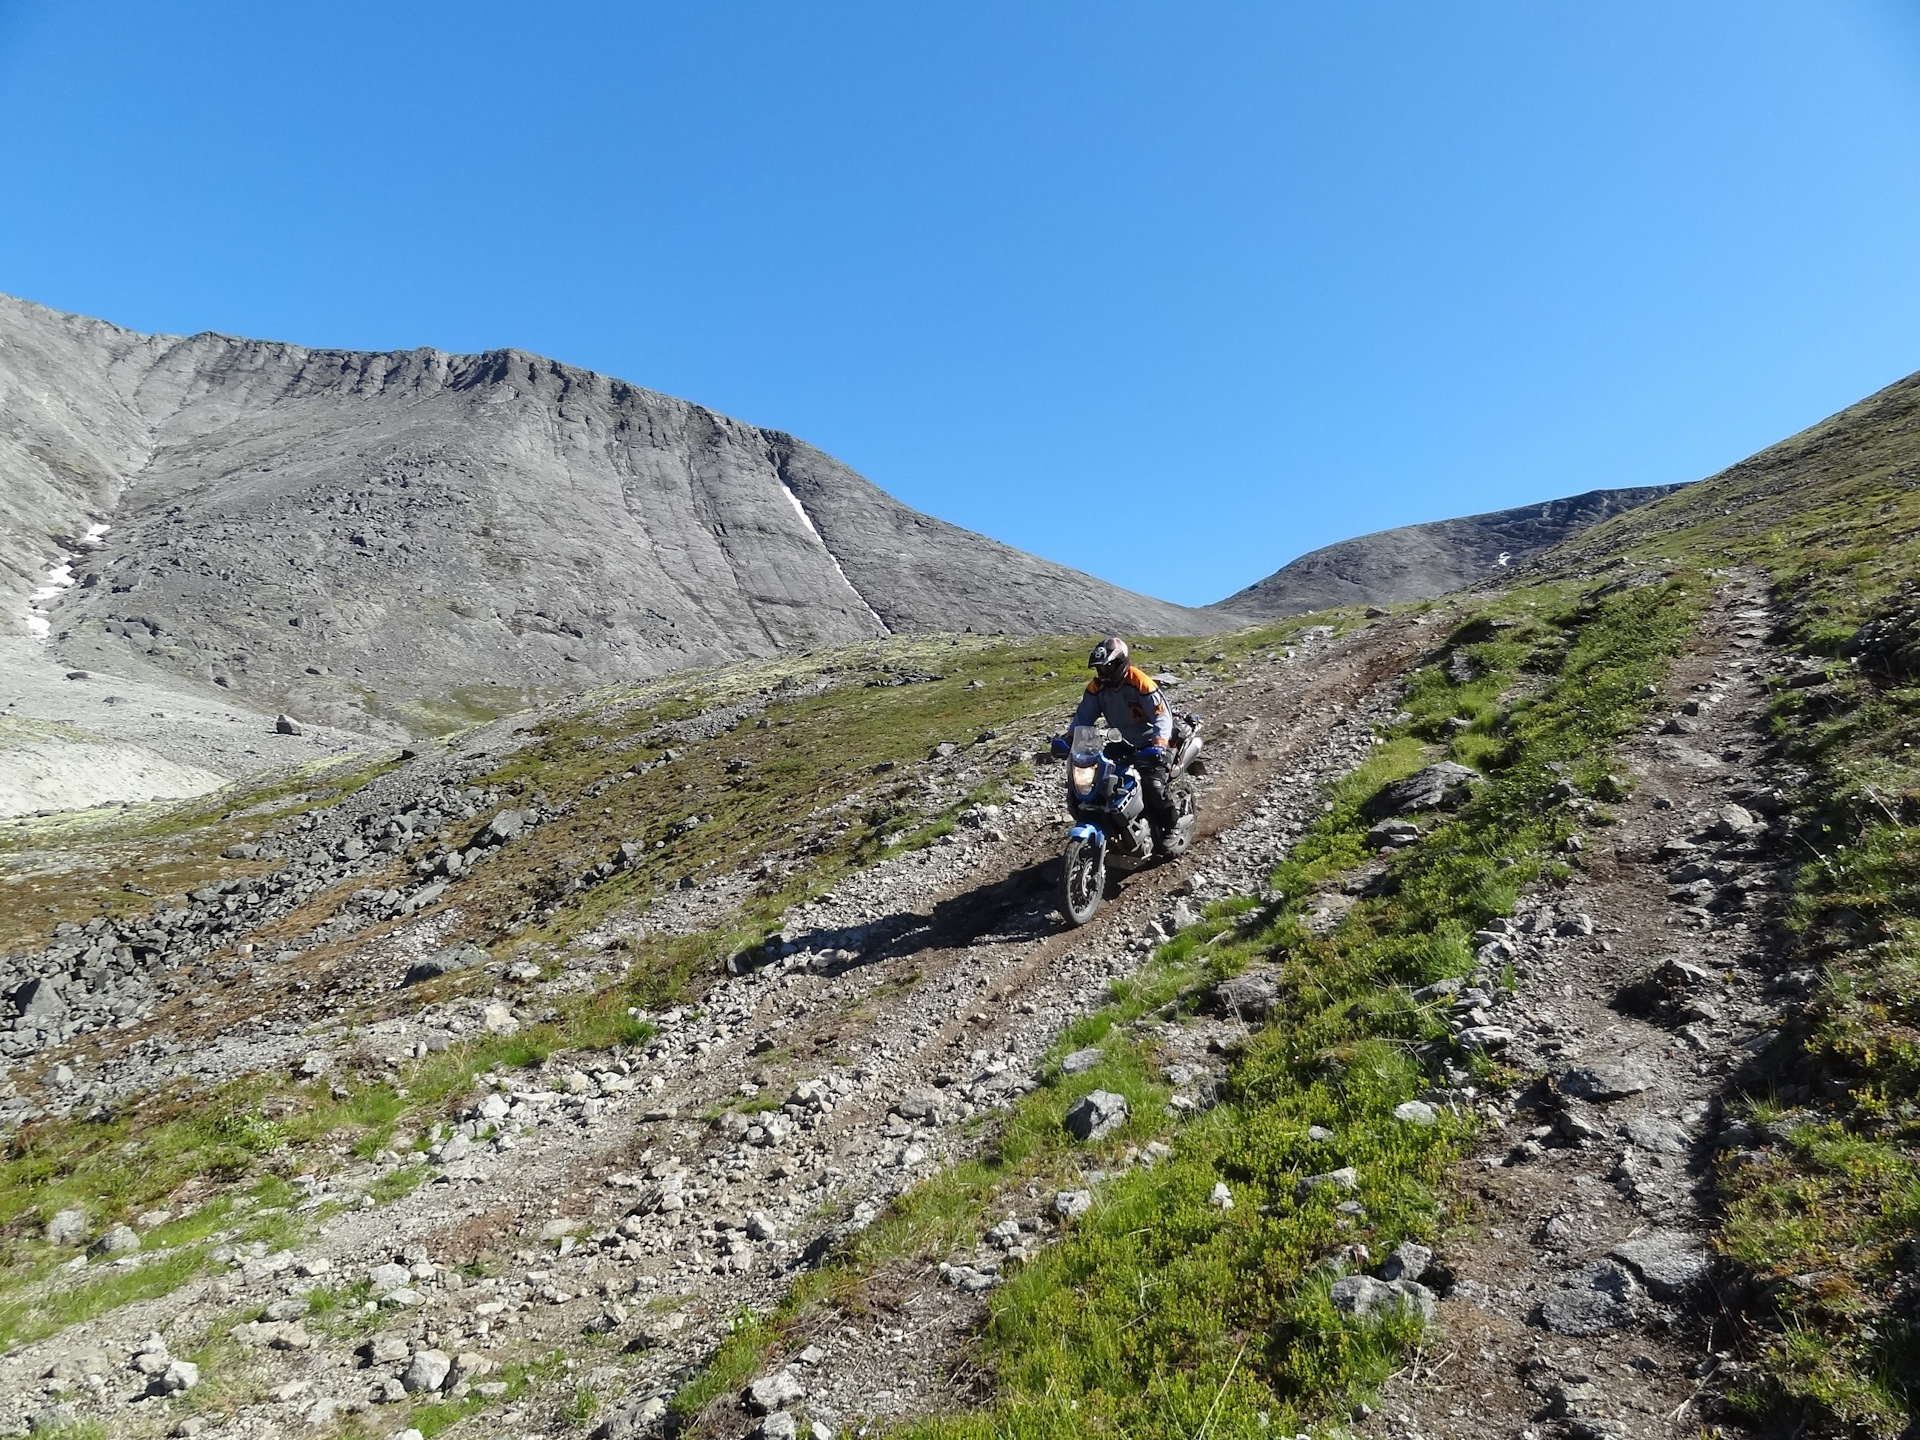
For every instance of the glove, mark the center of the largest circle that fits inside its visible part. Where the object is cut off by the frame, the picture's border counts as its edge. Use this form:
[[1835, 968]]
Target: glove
[[1058, 745]]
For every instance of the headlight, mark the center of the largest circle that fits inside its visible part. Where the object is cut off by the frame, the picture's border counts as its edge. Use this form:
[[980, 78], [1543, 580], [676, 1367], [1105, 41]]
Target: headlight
[[1083, 777]]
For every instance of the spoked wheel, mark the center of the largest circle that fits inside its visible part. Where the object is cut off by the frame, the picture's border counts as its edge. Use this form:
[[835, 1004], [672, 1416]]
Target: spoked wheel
[[1186, 804], [1084, 882]]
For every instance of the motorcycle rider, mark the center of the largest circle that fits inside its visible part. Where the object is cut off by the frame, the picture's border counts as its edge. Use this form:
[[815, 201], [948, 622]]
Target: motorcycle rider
[[1125, 696]]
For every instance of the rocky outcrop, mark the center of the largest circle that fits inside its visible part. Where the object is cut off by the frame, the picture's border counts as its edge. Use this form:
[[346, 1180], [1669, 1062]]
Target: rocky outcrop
[[1417, 562], [329, 532]]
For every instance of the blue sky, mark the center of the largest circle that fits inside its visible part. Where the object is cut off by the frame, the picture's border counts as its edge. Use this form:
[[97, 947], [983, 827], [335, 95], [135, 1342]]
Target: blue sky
[[1171, 293]]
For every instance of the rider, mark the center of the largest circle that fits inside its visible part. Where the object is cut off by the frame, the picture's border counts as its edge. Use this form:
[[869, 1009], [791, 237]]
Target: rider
[[1125, 696]]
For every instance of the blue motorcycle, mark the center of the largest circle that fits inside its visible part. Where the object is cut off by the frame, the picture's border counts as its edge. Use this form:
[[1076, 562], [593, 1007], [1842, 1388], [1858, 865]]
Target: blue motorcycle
[[1110, 826]]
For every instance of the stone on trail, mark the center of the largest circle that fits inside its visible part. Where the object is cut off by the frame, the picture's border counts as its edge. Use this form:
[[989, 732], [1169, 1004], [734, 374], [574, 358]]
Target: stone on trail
[[1069, 1203], [1361, 1297], [1659, 1133], [1096, 1115], [1607, 1080], [774, 1392], [1668, 1261], [1082, 1060], [779, 1426], [1415, 1112], [1594, 1299], [1427, 789]]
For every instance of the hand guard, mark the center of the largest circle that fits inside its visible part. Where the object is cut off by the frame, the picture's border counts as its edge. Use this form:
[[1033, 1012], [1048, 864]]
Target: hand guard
[[1059, 745], [1152, 752]]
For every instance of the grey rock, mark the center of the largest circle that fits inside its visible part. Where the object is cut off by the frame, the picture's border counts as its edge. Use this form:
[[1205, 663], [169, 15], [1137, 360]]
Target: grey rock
[[1364, 1298], [1658, 1133], [1668, 1261], [1418, 562], [120, 1240], [502, 827], [1393, 834], [779, 1426], [1068, 1203], [1427, 789], [1251, 996], [426, 1371], [967, 1279], [1082, 1060], [448, 961], [774, 1392], [67, 1227], [1486, 1037], [1416, 1112], [1600, 1297], [1096, 1115], [388, 1277], [1408, 1261], [38, 999], [1346, 1178], [284, 724], [1607, 1080], [179, 1377]]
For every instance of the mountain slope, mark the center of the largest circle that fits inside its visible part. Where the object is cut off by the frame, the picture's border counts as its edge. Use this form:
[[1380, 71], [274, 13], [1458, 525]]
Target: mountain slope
[[331, 530], [1417, 562]]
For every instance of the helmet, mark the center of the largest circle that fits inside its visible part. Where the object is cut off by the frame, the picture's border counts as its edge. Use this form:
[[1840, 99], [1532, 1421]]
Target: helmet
[[1110, 658]]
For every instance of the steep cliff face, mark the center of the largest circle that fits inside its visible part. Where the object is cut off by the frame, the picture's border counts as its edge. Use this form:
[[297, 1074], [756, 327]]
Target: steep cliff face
[[328, 530], [1417, 562]]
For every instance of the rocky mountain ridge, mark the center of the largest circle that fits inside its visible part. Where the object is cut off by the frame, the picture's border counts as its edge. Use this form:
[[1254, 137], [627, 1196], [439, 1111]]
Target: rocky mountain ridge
[[1419, 562], [341, 532]]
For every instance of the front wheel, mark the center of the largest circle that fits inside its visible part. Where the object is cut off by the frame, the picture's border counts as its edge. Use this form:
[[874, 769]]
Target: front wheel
[[1186, 805], [1084, 880]]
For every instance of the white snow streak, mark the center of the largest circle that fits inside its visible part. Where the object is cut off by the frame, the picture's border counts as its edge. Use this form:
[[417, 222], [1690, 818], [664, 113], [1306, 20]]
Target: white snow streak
[[59, 577], [812, 529]]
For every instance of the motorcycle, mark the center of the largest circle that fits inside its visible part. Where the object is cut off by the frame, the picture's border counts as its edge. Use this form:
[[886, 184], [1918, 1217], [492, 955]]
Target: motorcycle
[[1110, 826]]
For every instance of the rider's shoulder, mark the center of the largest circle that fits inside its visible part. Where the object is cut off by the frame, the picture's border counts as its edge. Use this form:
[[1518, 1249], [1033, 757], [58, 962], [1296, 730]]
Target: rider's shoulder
[[1093, 686], [1140, 680]]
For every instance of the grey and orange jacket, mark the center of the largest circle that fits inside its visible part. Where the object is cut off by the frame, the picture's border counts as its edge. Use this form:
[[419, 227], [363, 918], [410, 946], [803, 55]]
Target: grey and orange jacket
[[1133, 705]]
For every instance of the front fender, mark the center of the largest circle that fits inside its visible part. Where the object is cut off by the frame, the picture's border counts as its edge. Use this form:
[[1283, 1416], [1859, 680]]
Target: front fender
[[1089, 832]]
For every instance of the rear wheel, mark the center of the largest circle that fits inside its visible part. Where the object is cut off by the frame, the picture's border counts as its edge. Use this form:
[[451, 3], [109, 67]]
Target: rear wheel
[[1185, 796], [1084, 880]]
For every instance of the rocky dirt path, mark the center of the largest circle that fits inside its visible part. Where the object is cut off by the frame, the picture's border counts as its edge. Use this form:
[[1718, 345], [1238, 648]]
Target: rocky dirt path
[[1582, 1297], [610, 1214]]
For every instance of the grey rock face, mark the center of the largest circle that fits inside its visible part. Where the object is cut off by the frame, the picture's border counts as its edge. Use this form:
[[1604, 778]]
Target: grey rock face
[[1417, 562], [307, 526]]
